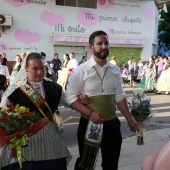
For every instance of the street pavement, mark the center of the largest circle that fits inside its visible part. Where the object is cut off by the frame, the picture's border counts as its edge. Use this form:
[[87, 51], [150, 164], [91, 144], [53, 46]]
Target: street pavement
[[157, 133]]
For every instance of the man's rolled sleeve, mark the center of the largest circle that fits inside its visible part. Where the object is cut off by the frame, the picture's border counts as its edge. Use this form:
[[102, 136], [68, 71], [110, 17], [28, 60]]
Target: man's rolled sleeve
[[118, 98], [73, 87]]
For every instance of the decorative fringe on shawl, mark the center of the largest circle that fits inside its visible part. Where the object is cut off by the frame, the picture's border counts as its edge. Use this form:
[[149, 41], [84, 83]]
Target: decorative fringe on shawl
[[90, 155]]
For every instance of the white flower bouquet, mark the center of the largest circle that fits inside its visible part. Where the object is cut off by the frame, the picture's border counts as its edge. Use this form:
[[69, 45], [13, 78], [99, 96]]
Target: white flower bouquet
[[140, 110]]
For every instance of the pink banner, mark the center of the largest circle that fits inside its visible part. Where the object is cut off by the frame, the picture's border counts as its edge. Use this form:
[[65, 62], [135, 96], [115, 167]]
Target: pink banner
[[61, 38]]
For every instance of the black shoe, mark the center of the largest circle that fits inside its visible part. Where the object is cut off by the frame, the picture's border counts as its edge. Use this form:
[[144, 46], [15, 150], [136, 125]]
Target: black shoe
[[158, 92], [146, 91]]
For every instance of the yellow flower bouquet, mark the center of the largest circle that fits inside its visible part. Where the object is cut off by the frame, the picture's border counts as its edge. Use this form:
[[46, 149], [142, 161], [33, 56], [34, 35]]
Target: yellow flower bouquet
[[17, 123]]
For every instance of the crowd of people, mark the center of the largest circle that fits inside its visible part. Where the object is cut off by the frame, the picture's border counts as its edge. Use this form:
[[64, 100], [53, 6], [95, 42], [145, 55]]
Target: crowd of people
[[156, 77], [152, 75], [94, 89], [53, 68]]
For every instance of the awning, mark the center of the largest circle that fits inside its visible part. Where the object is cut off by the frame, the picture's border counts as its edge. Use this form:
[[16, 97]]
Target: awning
[[161, 1], [85, 39]]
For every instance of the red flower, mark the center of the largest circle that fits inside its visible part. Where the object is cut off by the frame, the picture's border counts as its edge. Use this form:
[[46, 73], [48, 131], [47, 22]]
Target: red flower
[[18, 115], [5, 115], [11, 106], [29, 113], [10, 122], [4, 119]]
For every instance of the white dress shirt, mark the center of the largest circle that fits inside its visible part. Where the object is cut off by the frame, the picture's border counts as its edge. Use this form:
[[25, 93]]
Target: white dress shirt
[[85, 80]]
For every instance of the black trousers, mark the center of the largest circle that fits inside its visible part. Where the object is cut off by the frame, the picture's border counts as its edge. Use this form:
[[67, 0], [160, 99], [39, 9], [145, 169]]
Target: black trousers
[[59, 164], [110, 145]]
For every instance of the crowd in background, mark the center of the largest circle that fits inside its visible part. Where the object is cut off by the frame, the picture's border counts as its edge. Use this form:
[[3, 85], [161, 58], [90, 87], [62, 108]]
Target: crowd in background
[[152, 75], [58, 70]]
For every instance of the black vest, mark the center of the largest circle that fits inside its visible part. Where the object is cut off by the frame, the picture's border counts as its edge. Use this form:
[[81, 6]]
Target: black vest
[[53, 92]]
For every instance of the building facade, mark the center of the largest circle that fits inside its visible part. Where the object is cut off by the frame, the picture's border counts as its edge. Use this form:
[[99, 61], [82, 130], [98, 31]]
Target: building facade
[[41, 25]]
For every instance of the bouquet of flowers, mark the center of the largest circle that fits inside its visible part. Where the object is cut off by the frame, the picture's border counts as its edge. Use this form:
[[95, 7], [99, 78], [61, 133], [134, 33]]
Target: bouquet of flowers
[[15, 118], [17, 123], [140, 110]]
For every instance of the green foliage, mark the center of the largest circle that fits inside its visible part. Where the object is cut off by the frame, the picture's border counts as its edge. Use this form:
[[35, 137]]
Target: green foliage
[[15, 118], [123, 54], [164, 29]]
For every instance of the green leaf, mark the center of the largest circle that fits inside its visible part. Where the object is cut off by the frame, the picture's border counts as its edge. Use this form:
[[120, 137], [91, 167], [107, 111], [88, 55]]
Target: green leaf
[[2, 124]]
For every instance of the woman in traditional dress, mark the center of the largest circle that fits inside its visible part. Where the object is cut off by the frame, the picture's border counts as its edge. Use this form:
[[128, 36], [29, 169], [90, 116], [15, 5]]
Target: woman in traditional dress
[[140, 70], [63, 74], [149, 78], [163, 82], [16, 68], [145, 67], [46, 146], [66, 60]]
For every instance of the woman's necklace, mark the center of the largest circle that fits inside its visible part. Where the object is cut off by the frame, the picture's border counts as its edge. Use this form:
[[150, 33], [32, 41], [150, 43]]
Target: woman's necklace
[[101, 79]]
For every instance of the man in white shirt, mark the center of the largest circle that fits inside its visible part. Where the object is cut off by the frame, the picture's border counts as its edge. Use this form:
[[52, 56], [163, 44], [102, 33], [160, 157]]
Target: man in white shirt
[[101, 82]]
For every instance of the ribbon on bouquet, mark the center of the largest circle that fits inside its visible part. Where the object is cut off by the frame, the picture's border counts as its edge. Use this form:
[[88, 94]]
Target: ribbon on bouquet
[[19, 139], [139, 133], [17, 143]]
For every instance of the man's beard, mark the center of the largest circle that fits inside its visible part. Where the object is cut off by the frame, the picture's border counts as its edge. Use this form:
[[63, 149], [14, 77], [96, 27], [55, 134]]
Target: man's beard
[[101, 56]]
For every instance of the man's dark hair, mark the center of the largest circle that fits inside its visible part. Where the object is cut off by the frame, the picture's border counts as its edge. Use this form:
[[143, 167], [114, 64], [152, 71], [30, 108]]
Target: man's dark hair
[[95, 34], [56, 54], [43, 54]]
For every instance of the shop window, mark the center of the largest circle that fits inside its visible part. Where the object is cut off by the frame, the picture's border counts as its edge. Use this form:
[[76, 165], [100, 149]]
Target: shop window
[[78, 3]]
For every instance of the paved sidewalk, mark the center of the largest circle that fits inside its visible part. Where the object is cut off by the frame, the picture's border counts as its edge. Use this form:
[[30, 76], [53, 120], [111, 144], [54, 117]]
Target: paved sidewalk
[[132, 155], [156, 135]]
